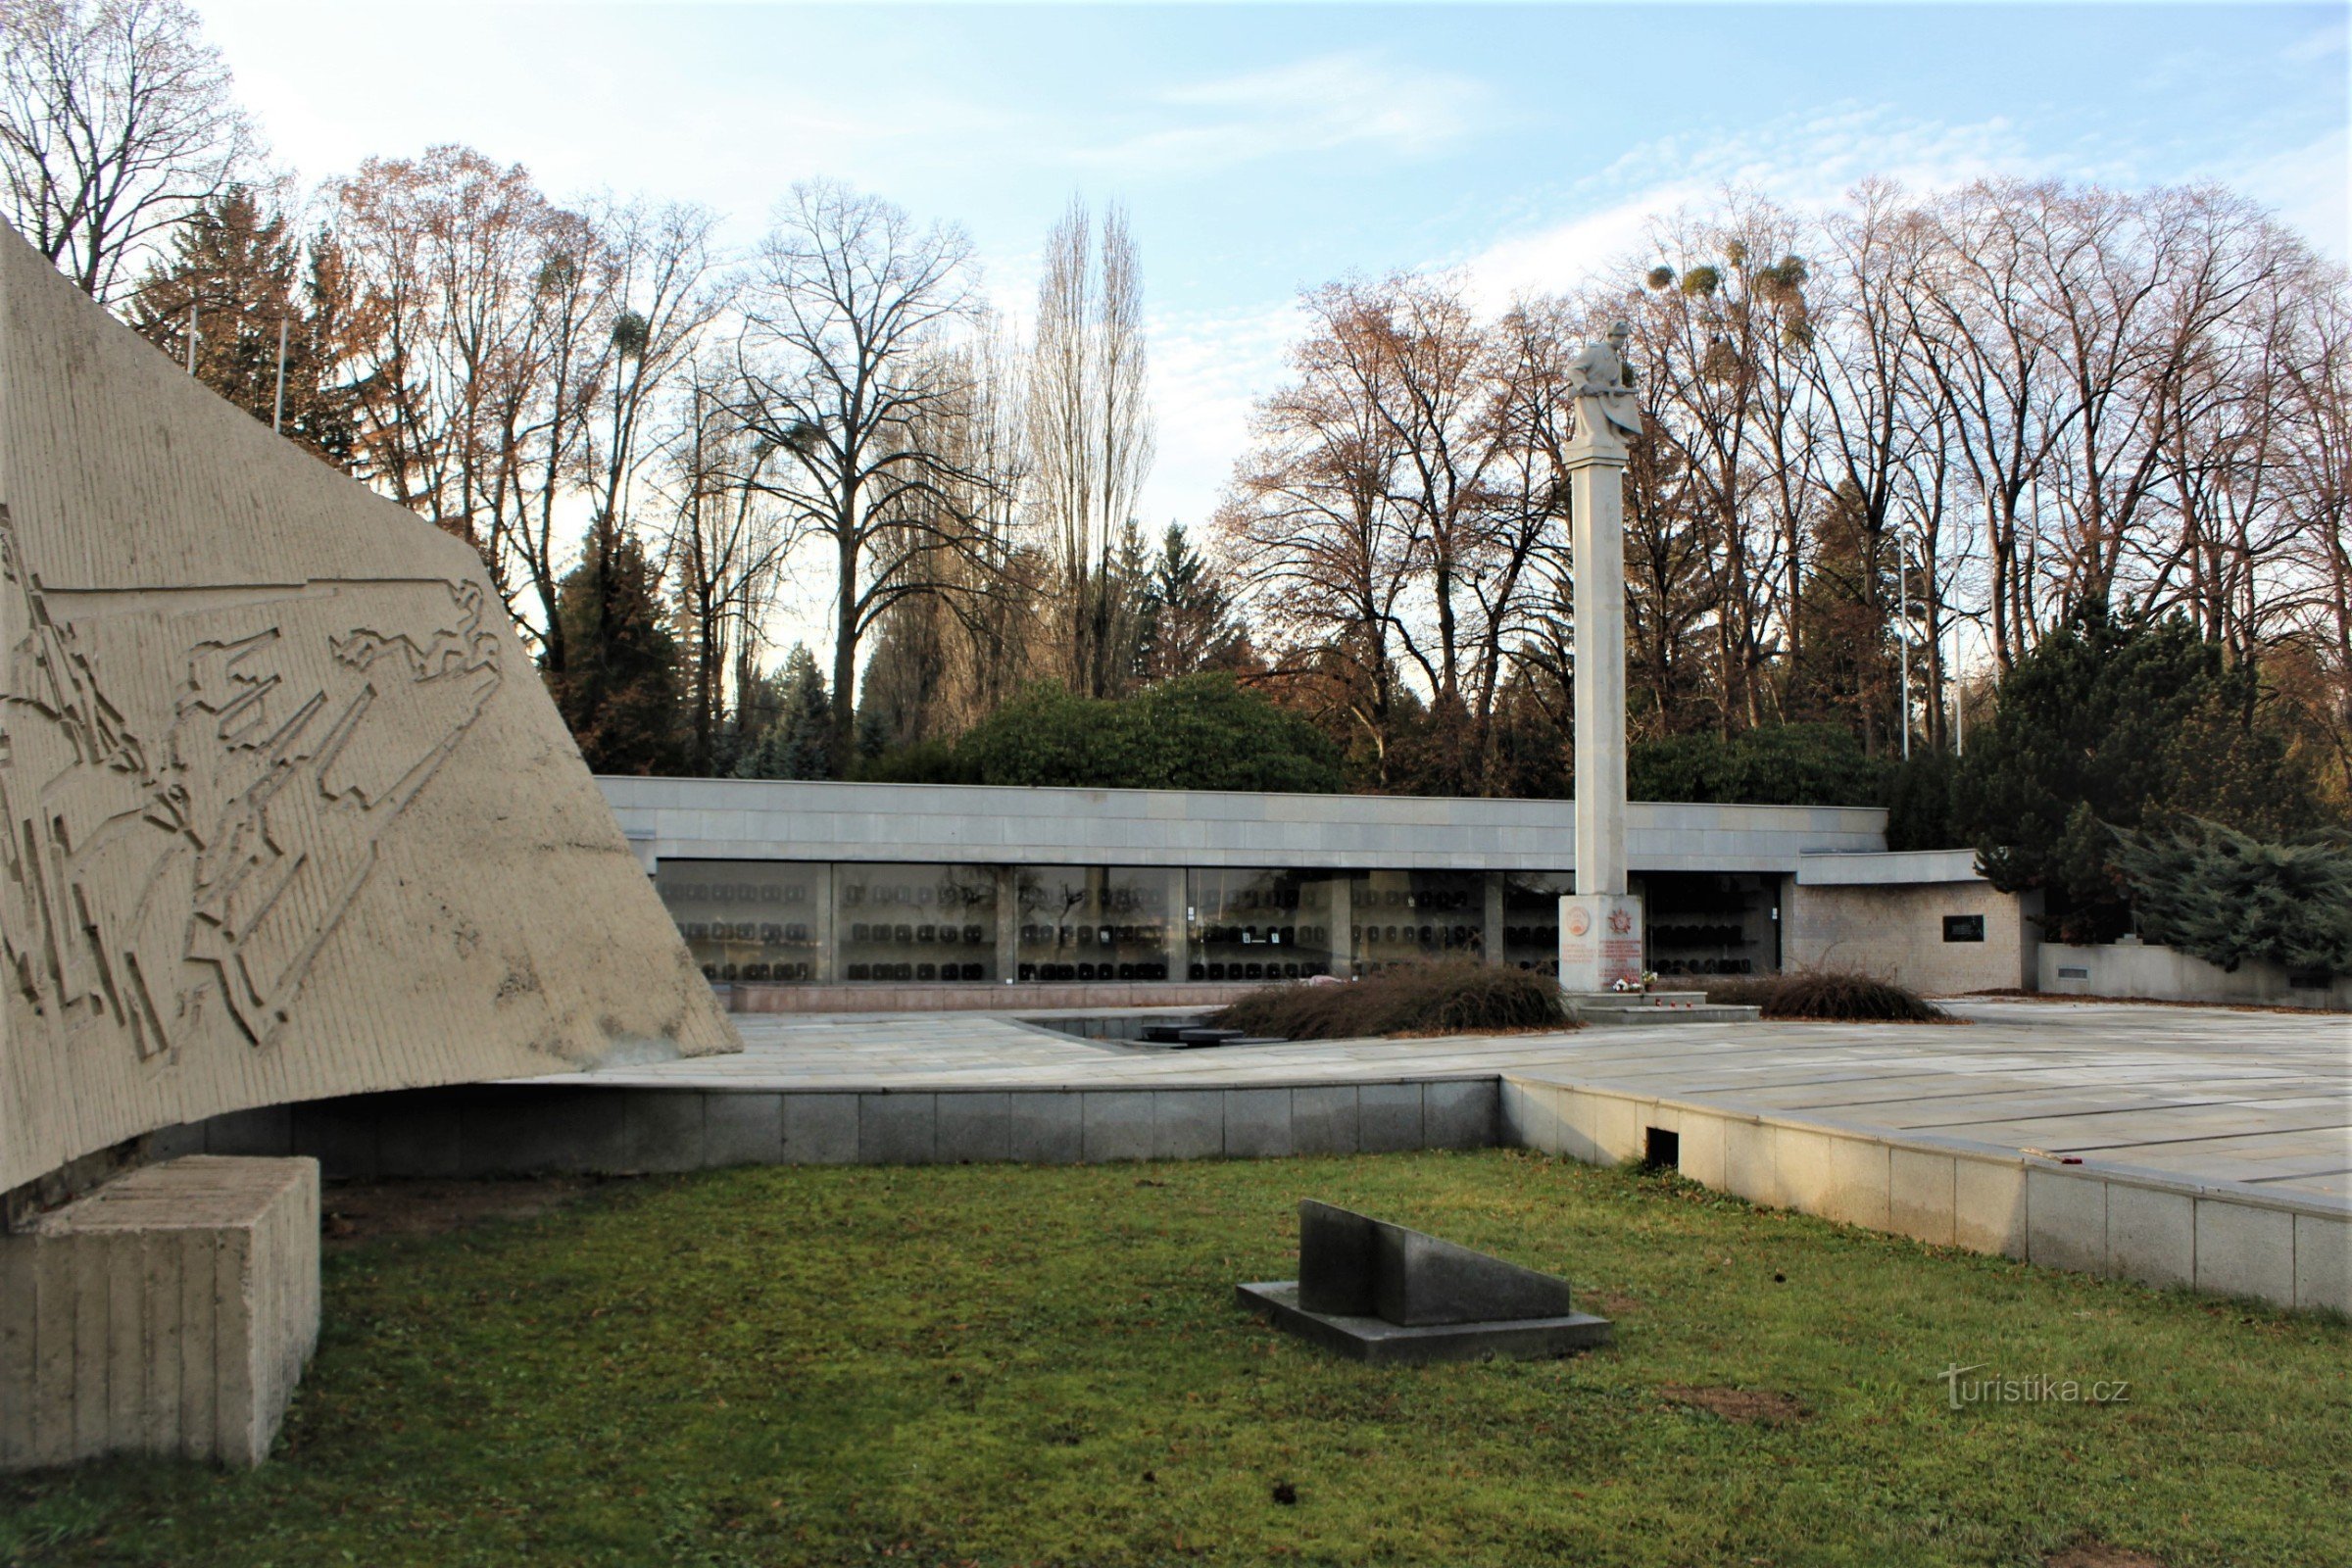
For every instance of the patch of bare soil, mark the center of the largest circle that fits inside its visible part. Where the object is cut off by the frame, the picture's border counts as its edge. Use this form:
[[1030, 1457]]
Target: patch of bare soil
[[363, 1211], [1609, 1303], [1747, 1408], [2099, 1555]]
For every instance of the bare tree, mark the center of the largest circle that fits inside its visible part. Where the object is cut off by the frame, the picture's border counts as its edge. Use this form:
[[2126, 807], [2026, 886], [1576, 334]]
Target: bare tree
[[116, 122], [1090, 435], [840, 367], [727, 543]]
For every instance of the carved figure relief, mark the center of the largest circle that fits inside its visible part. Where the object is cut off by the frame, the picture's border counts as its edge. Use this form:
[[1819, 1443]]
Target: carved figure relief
[[172, 865]]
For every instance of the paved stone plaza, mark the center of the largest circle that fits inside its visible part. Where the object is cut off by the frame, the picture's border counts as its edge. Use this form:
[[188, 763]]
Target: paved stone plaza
[[2206, 1093]]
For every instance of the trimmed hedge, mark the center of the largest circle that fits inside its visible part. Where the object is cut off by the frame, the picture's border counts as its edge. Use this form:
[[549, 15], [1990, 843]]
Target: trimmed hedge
[[1827, 995], [1452, 995]]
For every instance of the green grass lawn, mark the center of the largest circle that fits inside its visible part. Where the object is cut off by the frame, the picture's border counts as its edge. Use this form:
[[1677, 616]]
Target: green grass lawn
[[1020, 1365]]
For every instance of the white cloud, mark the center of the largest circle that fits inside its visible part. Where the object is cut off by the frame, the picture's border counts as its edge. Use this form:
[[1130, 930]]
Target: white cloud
[[1209, 371], [1314, 106], [2305, 185], [1802, 161]]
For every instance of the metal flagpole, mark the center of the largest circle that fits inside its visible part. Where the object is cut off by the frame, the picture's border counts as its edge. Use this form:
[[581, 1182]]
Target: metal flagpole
[[191, 336], [277, 412]]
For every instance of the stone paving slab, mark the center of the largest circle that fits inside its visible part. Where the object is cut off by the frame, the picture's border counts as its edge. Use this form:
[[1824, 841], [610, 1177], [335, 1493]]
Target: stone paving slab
[[2206, 1093]]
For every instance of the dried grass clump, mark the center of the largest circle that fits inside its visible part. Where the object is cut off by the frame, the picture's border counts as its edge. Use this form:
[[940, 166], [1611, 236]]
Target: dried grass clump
[[1449, 997], [1827, 995]]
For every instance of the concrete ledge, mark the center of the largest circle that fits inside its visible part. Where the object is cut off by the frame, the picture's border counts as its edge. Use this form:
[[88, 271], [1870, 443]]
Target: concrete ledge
[[1380, 1343], [170, 1313], [2226, 1238], [872, 996], [526, 1129]]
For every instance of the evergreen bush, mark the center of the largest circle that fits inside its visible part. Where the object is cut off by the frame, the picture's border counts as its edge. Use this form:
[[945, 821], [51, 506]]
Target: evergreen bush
[[2229, 898]]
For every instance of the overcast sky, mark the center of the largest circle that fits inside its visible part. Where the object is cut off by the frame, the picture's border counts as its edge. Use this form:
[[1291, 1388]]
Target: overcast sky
[[1262, 149]]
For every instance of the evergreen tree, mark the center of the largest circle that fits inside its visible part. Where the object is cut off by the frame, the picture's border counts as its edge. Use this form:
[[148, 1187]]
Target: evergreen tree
[[2229, 898], [620, 688], [235, 263], [1185, 621], [798, 742], [2117, 723]]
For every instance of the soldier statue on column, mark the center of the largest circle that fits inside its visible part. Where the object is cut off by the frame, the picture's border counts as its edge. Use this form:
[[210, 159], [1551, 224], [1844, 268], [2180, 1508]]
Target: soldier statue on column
[[1603, 388]]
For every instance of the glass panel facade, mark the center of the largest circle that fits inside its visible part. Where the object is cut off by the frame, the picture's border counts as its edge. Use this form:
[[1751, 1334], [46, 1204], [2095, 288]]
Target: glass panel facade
[[1395, 916], [750, 920], [1712, 923], [1260, 925], [1530, 918], [915, 922], [794, 922], [1094, 922]]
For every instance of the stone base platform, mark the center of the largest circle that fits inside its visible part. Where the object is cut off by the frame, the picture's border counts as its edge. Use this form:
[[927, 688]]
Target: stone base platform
[[1380, 1343], [1634, 1007], [171, 1311]]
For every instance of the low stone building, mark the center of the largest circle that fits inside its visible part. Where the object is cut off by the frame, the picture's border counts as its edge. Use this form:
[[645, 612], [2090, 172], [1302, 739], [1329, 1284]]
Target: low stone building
[[1923, 916], [817, 896]]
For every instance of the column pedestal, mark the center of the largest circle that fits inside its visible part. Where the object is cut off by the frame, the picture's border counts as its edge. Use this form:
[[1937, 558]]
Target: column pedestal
[[1600, 941]]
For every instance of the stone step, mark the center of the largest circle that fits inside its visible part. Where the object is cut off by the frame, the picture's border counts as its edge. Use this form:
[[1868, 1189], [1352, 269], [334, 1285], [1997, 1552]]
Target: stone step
[[1693, 1012], [1633, 999]]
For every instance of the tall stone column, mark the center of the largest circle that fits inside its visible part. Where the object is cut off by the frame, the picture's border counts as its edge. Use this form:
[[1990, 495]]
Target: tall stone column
[[1600, 923], [1596, 493]]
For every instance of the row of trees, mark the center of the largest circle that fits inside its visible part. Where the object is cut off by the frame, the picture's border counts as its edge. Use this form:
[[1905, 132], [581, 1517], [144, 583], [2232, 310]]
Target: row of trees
[[1998, 408], [2001, 406]]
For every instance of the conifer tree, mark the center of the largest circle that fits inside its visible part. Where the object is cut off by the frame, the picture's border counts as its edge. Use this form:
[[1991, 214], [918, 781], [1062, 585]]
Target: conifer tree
[[619, 689], [798, 742], [235, 261]]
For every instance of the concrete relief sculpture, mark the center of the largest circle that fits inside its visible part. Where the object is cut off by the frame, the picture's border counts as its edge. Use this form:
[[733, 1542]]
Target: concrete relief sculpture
[[287, 813]]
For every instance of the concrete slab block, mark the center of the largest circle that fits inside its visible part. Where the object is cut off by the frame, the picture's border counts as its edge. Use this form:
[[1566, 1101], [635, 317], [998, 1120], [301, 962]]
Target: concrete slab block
[[1856, 1192], [18, 1281], [2151, 1235], [821, 1129], [742, 1129], [1118, 1125], [1920, 1195], [1380, 1343], [2323, 1262], [169, 1311], [1257, 1123], [1988, 1207], [898, 1129], [1388, 1117], [1324, 1119], [1462, 1113], [665, 1129], [2245, 1251], [1046, 1127], [1188, 1124], [974, 1127], [2066, 1219], [1749, 1170]]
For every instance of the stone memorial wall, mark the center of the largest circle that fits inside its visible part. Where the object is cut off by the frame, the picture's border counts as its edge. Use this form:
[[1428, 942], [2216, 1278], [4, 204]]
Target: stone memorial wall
[[288, 812]]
